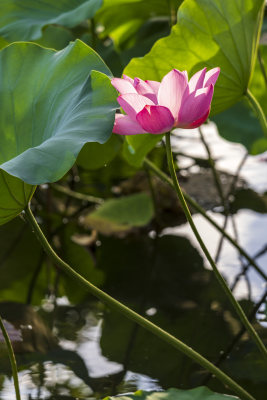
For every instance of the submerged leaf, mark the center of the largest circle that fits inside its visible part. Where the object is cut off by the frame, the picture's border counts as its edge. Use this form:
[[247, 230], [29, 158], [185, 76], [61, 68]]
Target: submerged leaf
[[121, 214]]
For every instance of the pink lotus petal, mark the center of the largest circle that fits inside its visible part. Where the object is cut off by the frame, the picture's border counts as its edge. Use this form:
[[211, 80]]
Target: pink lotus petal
[[145, 90], [155, 119], [133, 103], [211, 76], [154, 86], [198, 122], [127, 78], [171, 91], [123, 86], [195, 106], [197, 80], [124, 125]]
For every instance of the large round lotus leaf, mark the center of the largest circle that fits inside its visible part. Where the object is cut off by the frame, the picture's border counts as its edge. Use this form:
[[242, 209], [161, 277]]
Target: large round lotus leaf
[[24, 19], [208, 33], [52, 103], [14, 196]]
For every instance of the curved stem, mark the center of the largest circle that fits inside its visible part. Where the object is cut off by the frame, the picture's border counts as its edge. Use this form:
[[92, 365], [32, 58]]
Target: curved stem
[[219, 277], [258, 110], [76, 195], [11, 358], [201, 211], [132, 315], [214, 171]]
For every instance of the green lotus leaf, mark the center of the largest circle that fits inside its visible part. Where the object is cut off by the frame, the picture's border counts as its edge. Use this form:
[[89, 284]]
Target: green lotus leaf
[[123, 26], [14, 196], [3, 42], [95, 155], [136, 147], [209, 33], [52, 103], [239, 123], [24, 19]]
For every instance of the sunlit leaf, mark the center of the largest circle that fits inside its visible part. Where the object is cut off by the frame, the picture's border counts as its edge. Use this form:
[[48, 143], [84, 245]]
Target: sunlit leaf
[[24, 20], [209, 33], [239, 123], [122, 19], [52, 103]]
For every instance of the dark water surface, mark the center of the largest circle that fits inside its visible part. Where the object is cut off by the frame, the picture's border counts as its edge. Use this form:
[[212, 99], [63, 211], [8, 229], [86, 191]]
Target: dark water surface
[[89, 351]]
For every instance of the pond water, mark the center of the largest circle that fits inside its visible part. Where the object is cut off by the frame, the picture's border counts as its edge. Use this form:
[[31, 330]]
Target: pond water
[[88, 351]]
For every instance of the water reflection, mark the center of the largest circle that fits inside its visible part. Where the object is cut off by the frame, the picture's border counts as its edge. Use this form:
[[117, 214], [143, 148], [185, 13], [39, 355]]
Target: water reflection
[[88, 351]]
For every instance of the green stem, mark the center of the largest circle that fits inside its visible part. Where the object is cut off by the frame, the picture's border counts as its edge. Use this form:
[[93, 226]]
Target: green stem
[[76, 195], [132, 315], [219, 277], [215, 174], [11, 358], [201, 211], [258, 110]]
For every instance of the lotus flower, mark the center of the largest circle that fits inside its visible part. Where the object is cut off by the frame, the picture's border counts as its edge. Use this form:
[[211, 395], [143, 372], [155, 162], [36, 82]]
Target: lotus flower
[[158, 107]]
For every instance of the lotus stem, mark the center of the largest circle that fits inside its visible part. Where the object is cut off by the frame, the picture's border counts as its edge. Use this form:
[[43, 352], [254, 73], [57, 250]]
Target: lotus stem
[[12, 359], [201, 211], [258, 110], [219, 277], [132, 315]]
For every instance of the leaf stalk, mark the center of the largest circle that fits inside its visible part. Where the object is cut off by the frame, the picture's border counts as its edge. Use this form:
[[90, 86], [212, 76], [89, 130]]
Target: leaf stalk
[[132, 315], [219, 277]]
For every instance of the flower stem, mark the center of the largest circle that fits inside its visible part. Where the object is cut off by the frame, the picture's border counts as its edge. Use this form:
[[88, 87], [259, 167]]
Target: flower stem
[[214, 171], [201, 211], [219, 277], [132, 315], [11, 358], [258, 110]]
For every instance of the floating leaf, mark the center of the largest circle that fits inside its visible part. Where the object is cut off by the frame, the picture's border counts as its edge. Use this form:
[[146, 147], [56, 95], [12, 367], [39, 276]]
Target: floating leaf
[[199, 393], [121, 214], [52, 103], [24, 20], [209, 33]]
